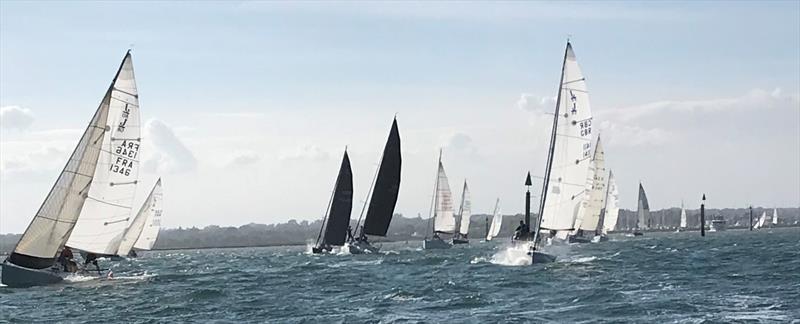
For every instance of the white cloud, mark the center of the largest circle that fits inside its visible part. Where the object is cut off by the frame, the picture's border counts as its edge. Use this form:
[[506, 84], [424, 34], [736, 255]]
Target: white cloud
[[244, 158], [46, 158], [536, 103], [15, 117], [305, 152], [632, 135], [167, 153], [461, 142]]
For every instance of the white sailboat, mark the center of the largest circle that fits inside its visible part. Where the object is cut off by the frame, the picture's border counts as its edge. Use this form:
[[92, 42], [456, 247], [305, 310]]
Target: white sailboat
[[611, 214], [442, 211], [642, 212], [775, 217], [33, 260], [761, 220], [465, 212], [587, 225], [145, 226], [107, 211], [497, 222], [683, 218]]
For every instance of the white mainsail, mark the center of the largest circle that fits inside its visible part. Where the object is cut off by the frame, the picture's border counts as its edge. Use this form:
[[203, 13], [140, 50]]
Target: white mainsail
[[107, 209], [149, 214], [612, 205], [56, 217], [595, 192], [683, 216], [571, 153], [444, 221], [466, 210], [762, 220], [497, 222], [775, 216]]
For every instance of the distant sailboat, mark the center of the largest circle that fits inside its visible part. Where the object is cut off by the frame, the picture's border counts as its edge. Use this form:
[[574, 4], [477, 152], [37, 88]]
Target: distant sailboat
[[611, 211], [761, 220], [683, 218], [464, 213], [144, 229], [337, 218], [589, 223], [497, 222], [775, 217], [442, 208], [33, 260], [568, 158], [383, 198], [642, 212]]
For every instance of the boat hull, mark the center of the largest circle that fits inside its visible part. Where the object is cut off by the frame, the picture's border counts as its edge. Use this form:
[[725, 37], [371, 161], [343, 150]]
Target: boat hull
[[637, 233], [459, 241], [435, 244], [362, 247], [539, 257], [20, 277], [579, 239]]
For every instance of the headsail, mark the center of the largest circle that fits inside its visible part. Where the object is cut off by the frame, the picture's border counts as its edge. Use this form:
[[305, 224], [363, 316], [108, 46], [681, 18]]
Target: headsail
[[570, 153], [643, 210], [106, 213], [595, 191], [56, 217], [341, 205], [497, 222], [149, 216], [762, 219], [465, 210], [775, 216], [386, 188], [683, 216], [444, 222], [612, 205]]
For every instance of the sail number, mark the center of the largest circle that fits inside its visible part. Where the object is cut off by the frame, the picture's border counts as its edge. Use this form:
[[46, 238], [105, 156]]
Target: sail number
[[126, 155], [586, 127]]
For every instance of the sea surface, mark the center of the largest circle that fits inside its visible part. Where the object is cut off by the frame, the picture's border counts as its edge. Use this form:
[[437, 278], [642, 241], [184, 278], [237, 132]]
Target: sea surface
[[726, 277]]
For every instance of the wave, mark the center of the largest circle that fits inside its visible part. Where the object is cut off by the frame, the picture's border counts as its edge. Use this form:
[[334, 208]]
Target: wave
[[512, 256]]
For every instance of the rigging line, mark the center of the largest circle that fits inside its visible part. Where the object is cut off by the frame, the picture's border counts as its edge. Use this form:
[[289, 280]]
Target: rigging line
[[125, 101], [573, 81], [138, 139], [369, 196], [116, 221], [125, 92], [108, 203], [56, 219]]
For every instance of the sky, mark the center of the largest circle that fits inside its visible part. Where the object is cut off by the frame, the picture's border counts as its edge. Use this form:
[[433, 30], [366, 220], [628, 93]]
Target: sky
[[248, 106]]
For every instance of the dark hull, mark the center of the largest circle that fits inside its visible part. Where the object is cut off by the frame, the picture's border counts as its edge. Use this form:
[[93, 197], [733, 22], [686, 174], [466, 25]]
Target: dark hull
[[460, 241], [637, 233], [579, 239], [435, 244], [539, 257], [362, 247], [19, 277]]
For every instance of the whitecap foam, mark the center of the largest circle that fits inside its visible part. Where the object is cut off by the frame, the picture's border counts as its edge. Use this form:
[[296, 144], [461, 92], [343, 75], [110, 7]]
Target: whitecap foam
[[477, 260], [583, 259], [75, 277], [512, 256]]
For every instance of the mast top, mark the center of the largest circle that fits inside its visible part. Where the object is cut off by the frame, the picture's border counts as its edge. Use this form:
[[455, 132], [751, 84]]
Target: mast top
[[528, 181], [704, 197]]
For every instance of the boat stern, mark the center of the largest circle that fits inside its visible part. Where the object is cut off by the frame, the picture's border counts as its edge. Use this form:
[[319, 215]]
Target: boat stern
[[19, 277]]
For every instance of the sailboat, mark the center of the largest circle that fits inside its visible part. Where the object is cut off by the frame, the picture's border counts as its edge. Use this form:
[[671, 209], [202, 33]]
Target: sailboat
[[336, 221], [497, 222], [144, 228], [611, 210], [589, 224], [442, 209], [761, 220], [642, 212], [774, 217], [568, 158], [384, 192], [464, 213], [683, 218], [81, 190]]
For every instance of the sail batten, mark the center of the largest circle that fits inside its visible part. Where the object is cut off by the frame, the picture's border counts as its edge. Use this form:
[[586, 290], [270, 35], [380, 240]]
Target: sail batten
[[386, 187]]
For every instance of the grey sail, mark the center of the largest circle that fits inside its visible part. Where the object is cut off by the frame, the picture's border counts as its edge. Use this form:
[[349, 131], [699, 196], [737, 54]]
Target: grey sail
[[387, 186], [53, 222], [341, 205], [643, 210]]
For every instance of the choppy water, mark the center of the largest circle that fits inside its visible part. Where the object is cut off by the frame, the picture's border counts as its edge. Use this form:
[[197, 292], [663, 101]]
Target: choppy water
[[734, 276]]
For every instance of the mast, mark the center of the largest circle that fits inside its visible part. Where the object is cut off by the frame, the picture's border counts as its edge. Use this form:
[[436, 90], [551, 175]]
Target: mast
[[528, 184], [549, 164], [703, 216]]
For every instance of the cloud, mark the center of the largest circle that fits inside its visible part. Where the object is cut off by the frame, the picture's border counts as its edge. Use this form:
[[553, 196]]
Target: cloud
[[536, 103], [305, 152], [15, 117], [632, 135], [461, 143], [168, 153], [244, 158], [44, 159]]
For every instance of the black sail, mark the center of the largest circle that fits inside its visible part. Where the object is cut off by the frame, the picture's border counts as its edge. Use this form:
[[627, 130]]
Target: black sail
[[387, 185], [342, 204]]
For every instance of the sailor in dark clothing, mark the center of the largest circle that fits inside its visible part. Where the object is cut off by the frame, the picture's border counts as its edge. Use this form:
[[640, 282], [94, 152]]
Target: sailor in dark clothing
[[520, 231], [349, 233], [91, 258], [65, 258], [363, 236]]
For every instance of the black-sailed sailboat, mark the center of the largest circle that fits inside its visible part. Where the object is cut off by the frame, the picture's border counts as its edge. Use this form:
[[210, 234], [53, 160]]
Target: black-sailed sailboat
[[335, 224], [383, 197]]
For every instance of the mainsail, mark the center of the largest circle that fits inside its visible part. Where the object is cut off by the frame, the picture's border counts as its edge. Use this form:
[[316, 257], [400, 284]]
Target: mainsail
[[595, 191], [611, 213], [443, 220], [775, 216], [762, 220], [643, 210], [56, 217], [107, 210], [497, 222], [386, 187], [465, 211], [338, 217], [683, 216], [570, 151], [149, 216]]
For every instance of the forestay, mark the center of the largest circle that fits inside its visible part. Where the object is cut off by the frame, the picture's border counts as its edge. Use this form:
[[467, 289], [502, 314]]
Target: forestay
[[56, 217], [571, 153], [465, 210], [149, 216], [643, 210], [612, 205], [107, 209], [444, 222], [497, 222]]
